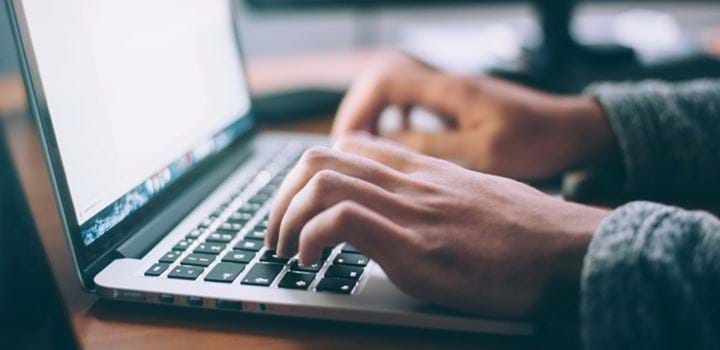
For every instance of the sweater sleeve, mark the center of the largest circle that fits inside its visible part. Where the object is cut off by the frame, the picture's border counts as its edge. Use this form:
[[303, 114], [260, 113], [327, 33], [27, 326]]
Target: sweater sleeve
[[668, 135], [651, 280]]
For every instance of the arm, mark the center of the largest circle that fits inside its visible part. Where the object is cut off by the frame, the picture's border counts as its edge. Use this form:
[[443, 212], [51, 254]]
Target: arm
[[651, 280], [668, 135]]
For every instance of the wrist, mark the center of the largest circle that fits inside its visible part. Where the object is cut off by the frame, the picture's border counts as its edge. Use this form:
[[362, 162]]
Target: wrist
[[589, 130], [576, 227]]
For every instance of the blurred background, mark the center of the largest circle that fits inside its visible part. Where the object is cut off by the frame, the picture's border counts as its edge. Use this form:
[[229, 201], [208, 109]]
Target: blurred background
[[465, 30], [529, 41], [536, 42]]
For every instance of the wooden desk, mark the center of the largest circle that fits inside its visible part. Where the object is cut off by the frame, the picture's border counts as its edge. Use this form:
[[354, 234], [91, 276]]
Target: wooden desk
[[102, 324]]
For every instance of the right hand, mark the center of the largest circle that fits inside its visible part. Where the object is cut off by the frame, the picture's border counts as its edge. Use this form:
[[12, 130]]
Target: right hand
[[460, 238], [495, 126]]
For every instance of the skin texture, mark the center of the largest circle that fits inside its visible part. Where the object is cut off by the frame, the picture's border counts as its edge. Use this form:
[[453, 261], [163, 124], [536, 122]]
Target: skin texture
[[464, 239], [494, 126]]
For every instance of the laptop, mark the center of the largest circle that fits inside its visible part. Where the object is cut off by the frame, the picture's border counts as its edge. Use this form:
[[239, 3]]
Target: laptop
[[32, 314], [163, 181]]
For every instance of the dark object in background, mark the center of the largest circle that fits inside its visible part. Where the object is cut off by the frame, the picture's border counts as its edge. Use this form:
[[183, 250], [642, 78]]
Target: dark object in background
[[32, 314], [560, 63], [294, 105]]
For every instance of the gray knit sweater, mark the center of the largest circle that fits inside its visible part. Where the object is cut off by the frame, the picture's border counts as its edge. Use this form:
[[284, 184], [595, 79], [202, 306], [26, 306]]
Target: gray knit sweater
[[651, 278]]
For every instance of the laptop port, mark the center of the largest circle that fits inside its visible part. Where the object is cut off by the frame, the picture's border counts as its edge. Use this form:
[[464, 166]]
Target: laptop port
[[166, 298], [228, 304], [195, 301]]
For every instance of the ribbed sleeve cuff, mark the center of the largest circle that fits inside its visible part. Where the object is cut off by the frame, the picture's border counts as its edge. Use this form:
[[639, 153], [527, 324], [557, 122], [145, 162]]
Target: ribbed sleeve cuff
[[648, 280], [630, 109]]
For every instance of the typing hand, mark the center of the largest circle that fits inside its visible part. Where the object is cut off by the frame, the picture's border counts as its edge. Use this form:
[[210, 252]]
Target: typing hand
[[494, 126], [464, 239]]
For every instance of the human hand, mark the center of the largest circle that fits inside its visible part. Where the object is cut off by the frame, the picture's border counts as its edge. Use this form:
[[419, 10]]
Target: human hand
[[463, 239], [495, 126]]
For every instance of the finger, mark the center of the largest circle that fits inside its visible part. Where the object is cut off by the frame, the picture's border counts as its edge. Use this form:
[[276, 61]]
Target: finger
[[361, 106], [370, 95], [373, 234], [324, 190], [389, 153], [452, 145], [315, 160]]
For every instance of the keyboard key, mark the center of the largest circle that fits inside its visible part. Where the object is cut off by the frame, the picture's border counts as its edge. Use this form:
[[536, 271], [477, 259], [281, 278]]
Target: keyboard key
[[249, 245], [170, 257], [186, 272], [336, 285], [210, 248], [326, 252], [156, 270], [351, 259], [262, 274], [249, 208], [219, 211], [225, 272], [296, 280], [344, 271], [194, 234], [203, 260], [259, 198], [261, 225], [347, 248], [239, 218], [182, 245], [269, 256], [256, 235], [205, 223], [312, 268], [238, 256], [229, 227], [220, 237]]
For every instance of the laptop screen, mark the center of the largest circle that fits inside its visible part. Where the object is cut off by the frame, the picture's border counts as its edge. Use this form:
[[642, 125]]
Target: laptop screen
[[138, 92]]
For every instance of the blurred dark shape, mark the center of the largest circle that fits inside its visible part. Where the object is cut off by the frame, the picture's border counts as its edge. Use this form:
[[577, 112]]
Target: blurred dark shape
[[32, 313], [560, 63], [292, 105]]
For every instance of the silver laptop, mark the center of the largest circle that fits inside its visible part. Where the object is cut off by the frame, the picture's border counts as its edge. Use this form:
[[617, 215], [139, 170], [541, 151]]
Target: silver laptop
[[161, 179]]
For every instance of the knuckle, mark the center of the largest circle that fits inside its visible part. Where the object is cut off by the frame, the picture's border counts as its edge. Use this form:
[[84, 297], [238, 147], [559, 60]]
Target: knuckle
[[316, 156], [323, 182], [344, 213]]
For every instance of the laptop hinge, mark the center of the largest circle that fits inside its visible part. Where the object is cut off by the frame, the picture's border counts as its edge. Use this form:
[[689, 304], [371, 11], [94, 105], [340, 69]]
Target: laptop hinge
[[149, 235]]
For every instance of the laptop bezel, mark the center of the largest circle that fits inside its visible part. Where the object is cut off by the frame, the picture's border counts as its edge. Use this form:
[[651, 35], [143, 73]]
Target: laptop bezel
[[89, 260]]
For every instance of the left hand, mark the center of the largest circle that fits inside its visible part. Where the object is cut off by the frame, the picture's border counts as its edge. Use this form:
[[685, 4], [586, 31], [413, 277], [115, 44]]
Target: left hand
[[494, 126], [463, 239]]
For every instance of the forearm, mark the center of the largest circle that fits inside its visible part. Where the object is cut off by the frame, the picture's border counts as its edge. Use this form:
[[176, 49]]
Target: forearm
[[668, 135], [650, 280]]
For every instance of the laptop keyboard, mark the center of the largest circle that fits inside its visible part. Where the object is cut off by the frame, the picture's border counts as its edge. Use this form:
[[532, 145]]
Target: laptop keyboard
[[227, 247]]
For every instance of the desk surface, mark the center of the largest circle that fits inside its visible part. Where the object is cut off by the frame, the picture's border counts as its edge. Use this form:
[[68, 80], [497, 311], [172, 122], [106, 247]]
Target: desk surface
[[102, 324]]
